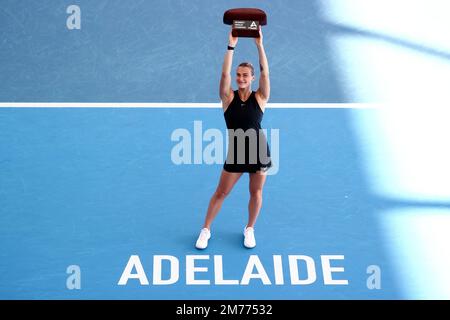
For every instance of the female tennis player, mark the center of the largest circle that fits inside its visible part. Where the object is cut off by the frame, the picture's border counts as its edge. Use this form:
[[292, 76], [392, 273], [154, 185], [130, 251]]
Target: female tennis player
[[248, 150]]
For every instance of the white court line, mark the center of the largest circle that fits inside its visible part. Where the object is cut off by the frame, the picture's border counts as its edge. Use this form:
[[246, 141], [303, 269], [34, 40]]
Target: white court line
[[180, 105], [193, 105]]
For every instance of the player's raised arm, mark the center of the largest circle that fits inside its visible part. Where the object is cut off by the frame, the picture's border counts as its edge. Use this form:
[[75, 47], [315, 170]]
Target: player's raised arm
[[225, 90], [264, 81]]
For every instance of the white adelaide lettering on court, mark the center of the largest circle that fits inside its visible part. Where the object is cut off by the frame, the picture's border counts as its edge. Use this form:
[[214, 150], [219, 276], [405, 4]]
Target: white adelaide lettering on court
[[302, 270], [73, 21], [74, 279], [191, 149]]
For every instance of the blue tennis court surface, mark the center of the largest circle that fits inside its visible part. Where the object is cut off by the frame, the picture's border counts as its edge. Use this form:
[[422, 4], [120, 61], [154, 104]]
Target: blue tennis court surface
[[92, 193], [92, 187]]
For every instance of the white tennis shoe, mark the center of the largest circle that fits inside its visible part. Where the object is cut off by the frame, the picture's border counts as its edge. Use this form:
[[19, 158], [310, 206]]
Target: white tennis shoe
[[202, 241], [249, 238]]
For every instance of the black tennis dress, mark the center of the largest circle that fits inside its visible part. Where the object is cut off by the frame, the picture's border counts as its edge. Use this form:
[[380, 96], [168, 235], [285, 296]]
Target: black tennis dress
[[248, 150]]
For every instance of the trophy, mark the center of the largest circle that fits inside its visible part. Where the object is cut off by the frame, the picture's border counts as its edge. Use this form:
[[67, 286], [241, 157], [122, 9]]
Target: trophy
[[245, 21]]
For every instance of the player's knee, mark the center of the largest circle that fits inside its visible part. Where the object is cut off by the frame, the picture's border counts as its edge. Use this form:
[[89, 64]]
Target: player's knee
[[221, 193], [256, 192]]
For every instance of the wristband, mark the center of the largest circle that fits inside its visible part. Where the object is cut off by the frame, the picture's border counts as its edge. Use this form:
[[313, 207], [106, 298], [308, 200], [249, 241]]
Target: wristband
[[230, 48]]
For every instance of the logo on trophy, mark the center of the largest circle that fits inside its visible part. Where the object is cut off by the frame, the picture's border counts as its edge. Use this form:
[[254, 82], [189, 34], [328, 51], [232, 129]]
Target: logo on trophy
[[245, 21]]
